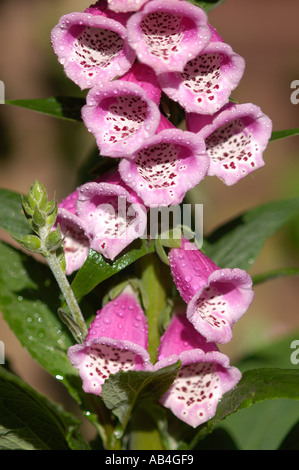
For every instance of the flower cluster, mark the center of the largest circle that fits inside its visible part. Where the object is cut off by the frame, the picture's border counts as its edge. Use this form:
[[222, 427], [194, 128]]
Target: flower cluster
[[129, 55], [117, 340]]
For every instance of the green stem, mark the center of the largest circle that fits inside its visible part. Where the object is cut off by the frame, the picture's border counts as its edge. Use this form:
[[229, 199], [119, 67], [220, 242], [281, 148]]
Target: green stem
[[65, 288], [144, 434], [156, 283]]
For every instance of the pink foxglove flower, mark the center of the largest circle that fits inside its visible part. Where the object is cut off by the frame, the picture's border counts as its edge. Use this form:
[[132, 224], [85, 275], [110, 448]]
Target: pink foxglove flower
[[114, 216], [235, 138], [122, 114], [91, 47], [205, 84], [167, 33], [116, 341], [205, 373], [76, 239], [217, 298], [166, 166], [126, 5]]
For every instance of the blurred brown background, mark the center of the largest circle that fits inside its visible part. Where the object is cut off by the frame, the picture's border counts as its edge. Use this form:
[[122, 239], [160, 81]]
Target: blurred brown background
[[34, 146]]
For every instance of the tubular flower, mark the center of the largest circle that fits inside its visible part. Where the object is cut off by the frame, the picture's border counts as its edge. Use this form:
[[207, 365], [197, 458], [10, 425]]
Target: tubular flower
[[76, 239], [166, 166], [91, 47], [235, 138], [205, 84], [126, 5], [117, 340], [114, 216], [167, 33], [122, 114], [217, 298], [205, 373]]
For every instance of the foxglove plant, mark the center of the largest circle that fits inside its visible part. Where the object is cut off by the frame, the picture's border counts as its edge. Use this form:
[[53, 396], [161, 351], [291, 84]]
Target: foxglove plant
[[158, 79], [122, 114], [102, 215], [116, 341], [235, 139], [205, 373], [92, 47], [165, 34], [216, 298], [166, 166], [207, 80]]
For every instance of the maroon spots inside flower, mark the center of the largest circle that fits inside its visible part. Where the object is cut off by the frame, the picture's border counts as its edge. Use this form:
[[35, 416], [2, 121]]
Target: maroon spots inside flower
[[124, 118], [197, 385], [104, 359], [212, 307], [202, 75], [163, 33], [231, 144], [159, 164], [96, 47], [110, 216]]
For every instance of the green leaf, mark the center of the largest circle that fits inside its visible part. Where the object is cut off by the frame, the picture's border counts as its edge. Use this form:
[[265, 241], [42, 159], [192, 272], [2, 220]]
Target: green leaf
[[123, 391], [276, 135], [274, 274], [208, 5], [238, 243], [291, 441], [97, 269], [29, 421], [255, 429], [62, 107], [29, 300], [255, 386], [12, 218]]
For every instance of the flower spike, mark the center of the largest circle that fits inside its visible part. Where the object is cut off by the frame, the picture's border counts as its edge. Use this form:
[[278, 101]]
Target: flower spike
[[205, 84], [166, 166], [121, 116], [217, 298], [235, 138], [116, 341], [91, 48], [204, 377], [167, 33]]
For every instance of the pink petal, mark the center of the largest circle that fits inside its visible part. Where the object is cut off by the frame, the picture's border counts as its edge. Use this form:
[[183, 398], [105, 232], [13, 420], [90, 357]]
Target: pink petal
[[126, 5], [121, 117], [91, 48], [190, 269], [167, 33], [146, 78], [180, 336], [216, 297], [69, 202], [215, 308], [235, 137], [165, 167], [121, 318], [205, 84], [112, 216], [76, 240], [116, 342], [201, 383]]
